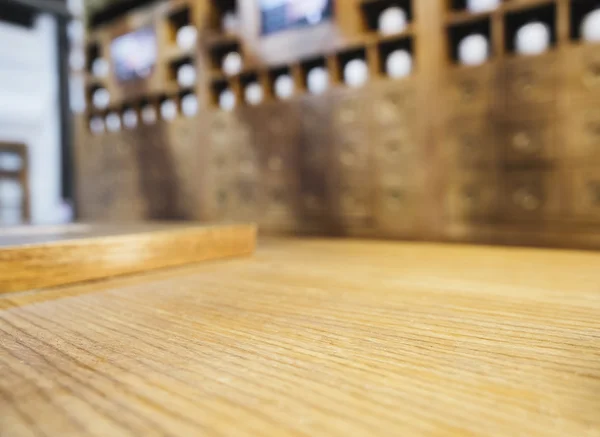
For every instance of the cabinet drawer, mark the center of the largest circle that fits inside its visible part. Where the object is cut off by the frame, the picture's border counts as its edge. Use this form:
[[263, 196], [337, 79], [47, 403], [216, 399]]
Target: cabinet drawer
[[531, 80], [583, 138], [469, 90], [395, 107], [584, 194], [531, 194], [470, 142], [474, 195], [397, 208], [524, 141], [395, 150], [584, 73]]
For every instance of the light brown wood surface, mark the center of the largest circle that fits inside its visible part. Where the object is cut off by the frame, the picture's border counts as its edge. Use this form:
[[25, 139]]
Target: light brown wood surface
[[39, 257], [314, 337]]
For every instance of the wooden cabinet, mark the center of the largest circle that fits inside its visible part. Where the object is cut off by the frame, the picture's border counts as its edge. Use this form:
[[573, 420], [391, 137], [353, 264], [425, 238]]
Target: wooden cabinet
[[525, 81], [471, 142], [474, 196], [528, 141], [532, 195]]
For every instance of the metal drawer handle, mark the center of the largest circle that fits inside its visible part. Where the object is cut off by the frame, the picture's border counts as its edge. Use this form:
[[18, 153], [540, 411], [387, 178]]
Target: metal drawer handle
[[468, 90], [396, 198], [526, 200]]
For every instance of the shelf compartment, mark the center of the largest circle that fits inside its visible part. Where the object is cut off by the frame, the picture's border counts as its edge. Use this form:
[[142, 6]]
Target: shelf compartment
[[218, 51], [389, 45], [372, 9], [307, 65], [579, 9], [177, 19], [514, 19], [456, 32], [342, 58]]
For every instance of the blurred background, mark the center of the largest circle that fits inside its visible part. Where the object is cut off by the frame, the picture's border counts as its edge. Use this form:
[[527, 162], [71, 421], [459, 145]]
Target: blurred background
[[468, 120]]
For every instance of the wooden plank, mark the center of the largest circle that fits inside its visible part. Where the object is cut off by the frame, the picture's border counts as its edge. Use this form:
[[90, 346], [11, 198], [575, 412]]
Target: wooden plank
[[38, 257], [313, 337]]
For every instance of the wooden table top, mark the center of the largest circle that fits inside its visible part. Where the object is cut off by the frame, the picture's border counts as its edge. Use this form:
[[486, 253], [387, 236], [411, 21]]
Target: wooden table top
[[314, 337]]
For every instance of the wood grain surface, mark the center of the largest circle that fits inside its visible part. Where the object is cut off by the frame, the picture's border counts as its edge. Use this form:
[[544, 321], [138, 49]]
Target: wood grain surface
[[314, 337], [37, 257]]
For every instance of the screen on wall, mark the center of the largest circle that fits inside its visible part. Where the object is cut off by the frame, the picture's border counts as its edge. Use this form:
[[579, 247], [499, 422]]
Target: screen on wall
[[278, 15], [134, 54]]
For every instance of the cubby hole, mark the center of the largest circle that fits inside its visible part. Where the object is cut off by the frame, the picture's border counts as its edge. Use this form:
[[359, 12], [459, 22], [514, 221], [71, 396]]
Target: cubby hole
[[457, 32], [307, 65], [174, 68], [457, 5], [385, 48], [219, 8], [246, 79], [346, 56], [513, 21], [217, 86], [272, 76], [219, 50], [579, 10], [92, 52], [178, 19], [372, 9]]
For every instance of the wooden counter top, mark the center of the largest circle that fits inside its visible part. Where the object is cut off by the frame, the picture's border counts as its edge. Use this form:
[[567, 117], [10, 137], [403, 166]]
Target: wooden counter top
[[314, 337]]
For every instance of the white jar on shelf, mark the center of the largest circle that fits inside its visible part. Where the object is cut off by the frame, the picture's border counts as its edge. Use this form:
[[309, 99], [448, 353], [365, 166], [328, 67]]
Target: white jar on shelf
[[186, 37], [284, 86], [232, 63], [473, 49], [227, 100], [482, 5], [186, 75], [590, 26], [189, 105], [392, 20], [356, 73], [100, 67], [149, 114], [113, 122], [398, 63], [253, 93], [168, 109], [130, 118], [532, 38], [96, 125], [317, 80], [101, 98]]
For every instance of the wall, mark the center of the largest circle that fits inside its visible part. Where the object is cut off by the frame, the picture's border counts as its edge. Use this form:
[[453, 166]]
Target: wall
[[29, 111]]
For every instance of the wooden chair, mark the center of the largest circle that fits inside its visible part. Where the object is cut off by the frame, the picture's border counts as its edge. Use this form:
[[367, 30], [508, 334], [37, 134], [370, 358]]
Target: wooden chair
[[20, 175]]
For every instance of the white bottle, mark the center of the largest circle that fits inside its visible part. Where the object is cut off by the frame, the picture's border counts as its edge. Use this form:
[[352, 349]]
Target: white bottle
[[590, 26], [284, 86], [227, 100], [392, 20], [101, 98], [96, 125], [186, 75], [356, 73], [168, 109], [317, 80], [189, 105], [113, 122], [232, 63], [253, 93], [149, 114], [186, 37], [532, 38], [398, 64], [482, 5], [130, 118], [100, 67], [473, 50]]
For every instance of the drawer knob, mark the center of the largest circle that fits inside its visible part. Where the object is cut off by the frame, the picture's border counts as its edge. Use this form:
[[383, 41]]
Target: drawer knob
[[277, 196], [468, 90], [522, 142], [525, 82], [526, 200], [395, 198]]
